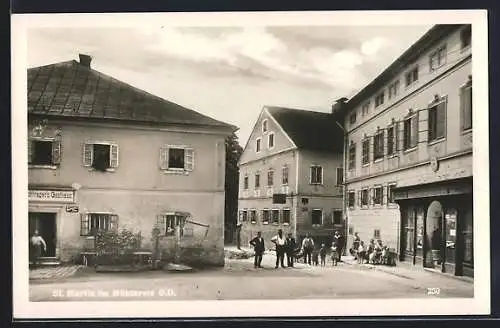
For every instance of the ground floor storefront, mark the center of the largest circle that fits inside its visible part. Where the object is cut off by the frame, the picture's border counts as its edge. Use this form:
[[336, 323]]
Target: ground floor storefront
[[437, 226]]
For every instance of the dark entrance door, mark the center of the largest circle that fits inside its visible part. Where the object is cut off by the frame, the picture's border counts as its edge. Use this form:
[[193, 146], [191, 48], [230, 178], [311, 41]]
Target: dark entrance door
[[45, 223]]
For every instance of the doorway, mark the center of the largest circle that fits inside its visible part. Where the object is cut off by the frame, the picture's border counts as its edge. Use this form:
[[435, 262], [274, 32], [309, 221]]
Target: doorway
[[434, 231], [45, 223]]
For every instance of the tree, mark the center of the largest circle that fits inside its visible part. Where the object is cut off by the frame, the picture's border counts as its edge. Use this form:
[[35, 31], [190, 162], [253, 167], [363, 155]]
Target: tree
[[233, 153]]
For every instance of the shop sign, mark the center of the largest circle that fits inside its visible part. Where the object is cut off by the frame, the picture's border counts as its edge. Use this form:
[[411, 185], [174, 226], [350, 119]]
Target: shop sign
[[66, 196], [72, 208]]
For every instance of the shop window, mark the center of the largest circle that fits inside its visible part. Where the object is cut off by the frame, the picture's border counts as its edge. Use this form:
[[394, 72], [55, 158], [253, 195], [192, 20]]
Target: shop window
[[275, 216], [284, 174], [316, 174], [286, 216], [92, 223], [410, 133], [100, 156], [437, 58], [378, 195], [437, 120], [257, 180], [352, 156], [351, 199], [409, 231], [265, 216], [44, 151], [337, 217], [391, 140], [411, 76], [378, 145], [466, 104], [270, 177], [450, 234], [317, 217], [366, 152], [420, 232]]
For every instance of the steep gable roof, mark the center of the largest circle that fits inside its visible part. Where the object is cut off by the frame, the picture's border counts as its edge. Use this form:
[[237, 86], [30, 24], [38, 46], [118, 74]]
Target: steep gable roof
[[309, 130], [70, 89]]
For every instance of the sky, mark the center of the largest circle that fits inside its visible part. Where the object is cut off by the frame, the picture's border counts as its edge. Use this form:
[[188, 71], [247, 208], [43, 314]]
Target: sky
[[230, 73]]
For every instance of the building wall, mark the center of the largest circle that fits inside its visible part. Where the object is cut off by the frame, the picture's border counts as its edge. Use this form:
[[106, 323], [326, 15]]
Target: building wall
[[408, 168], [138, 190]]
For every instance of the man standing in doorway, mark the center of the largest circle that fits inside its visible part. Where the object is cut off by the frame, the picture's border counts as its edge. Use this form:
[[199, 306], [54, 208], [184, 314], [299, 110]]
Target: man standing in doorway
[[279, 241], [258, 247], [37, 243], [307, 248]]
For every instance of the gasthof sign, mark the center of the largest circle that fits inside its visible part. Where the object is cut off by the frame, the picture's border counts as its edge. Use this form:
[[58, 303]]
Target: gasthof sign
[[51, 195]]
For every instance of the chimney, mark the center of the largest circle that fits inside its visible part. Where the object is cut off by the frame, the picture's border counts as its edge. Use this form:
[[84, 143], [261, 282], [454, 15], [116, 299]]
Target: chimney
[[85, 60], [339, 103]]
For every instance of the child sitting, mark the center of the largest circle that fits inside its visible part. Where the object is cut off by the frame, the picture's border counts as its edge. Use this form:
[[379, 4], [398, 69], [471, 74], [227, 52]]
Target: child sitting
[[322, 253]]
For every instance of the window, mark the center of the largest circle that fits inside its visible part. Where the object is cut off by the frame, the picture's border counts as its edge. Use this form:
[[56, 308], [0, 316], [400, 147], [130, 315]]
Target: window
[[394, 89], [352, 118], [437, 120], [270, 140], [317, 217], [257, 180], [100, 156], [352, 156], [366, 151], [337, 217], [171, 221], [245, 182], [257, 145], [379, 99], [378, 195], [284, 175], [316, 174], [176, 158], [44, 151], [275, 216], [264, 126], [351, 199], [270, 177], [364, 197], [340, 176], [438, 58], [466, 104], [378, 145], [365, 108], [376, 234], [390, 193], [410, 133], [92, 223], [265, 216], [411, 76], [243, 215], [466, 37], [286, 216], [391, 140], [253, 216]]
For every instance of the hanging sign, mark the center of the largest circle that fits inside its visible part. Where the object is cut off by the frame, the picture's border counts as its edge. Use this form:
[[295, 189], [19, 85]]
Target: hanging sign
[[72, 208]]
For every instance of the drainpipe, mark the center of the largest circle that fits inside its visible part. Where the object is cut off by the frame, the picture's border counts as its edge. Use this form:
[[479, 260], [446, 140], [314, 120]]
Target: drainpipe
[[344, 192]]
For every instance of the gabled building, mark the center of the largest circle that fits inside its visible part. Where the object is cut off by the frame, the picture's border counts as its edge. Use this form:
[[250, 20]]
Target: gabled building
[[291, 175], [105, 155], [408, 156]]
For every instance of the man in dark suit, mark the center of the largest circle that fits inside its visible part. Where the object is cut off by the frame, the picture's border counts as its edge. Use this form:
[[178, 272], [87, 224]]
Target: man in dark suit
[[258, 247], [290, 249]]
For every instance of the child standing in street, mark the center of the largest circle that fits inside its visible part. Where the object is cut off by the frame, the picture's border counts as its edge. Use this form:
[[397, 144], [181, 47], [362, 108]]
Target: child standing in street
[[322, 254], [335, 255]]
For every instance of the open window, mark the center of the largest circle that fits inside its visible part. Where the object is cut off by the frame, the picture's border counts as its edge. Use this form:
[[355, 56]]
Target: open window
[[92, 223], [44, 151], [100, 156], [176, 158], [170, 222]]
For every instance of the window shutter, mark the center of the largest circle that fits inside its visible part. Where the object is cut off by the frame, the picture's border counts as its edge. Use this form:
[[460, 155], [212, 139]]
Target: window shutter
[[160, 223], [371, 196], [164, 157], [56, 151], [189, 159], [466, 106], [359, 198], [113, 156], [113, 222], [84, 224], [441, 120], [30, 150], [384, 195], [88, 154], [414, 131]]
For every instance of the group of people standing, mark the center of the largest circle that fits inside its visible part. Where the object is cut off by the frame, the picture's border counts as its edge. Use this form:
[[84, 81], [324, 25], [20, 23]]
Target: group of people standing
[[289, 247]]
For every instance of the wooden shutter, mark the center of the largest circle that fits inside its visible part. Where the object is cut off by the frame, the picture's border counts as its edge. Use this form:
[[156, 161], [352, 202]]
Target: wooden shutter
[[414, 131], [371, 196], [359, 198], [88, 154], [384, 195], [441, 120], [164, 157], [113, 156], [30, 151], [56, 151], [113, 222], [84, 224], [188, 159], [466, 106]]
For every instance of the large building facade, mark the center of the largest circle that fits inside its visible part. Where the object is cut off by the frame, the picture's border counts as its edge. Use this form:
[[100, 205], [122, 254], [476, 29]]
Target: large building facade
[[295, 155], [104, 155], [408, 154]]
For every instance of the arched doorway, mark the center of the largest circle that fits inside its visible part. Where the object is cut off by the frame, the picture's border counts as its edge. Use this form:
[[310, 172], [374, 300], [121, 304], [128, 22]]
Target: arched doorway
[[434, 235]]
